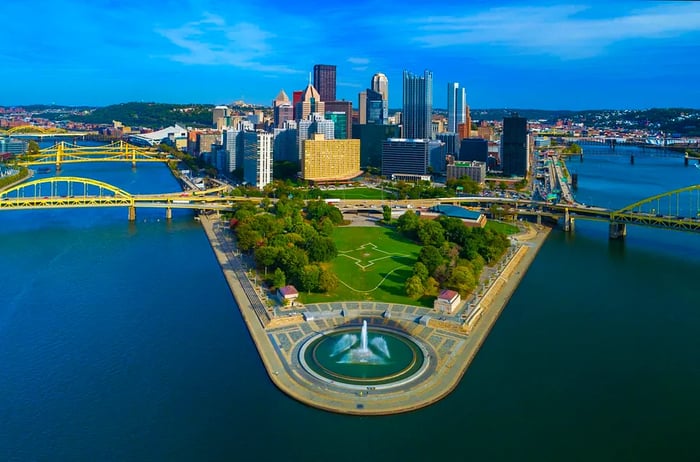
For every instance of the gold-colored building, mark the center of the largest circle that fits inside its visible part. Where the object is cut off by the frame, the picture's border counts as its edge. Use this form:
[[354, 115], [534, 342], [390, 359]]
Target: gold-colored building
[[330, 160]]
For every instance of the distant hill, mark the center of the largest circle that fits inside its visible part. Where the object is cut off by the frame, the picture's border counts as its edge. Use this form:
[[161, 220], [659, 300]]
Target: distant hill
[[152, 115]]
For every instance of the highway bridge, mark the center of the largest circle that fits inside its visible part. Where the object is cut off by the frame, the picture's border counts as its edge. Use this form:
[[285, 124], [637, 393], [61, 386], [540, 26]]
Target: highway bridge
[[32, 131], [75, 192], [677, 210]]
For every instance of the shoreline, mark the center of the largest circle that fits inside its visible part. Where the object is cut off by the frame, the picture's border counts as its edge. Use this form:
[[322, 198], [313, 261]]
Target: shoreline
[[451, 346]]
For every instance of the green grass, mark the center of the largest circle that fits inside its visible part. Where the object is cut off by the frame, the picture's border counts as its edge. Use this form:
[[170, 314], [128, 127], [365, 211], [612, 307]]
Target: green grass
[[357, 193], [502, 227], [373, 265]]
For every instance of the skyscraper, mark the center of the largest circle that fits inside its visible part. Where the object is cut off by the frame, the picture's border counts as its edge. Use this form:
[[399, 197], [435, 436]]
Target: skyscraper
[[257, 160], [514, 146], [324, 81], [380, 84], [310, 102], [417, 105], [341, 106], [456, 106], [374, 111]]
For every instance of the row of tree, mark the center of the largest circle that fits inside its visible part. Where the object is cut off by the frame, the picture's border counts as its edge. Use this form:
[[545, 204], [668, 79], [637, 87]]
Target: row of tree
[[289, 242], [452, 254]]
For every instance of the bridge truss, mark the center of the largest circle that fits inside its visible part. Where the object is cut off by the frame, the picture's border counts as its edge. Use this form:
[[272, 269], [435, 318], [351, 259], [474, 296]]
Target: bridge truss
[[678, 209], [68, 153]]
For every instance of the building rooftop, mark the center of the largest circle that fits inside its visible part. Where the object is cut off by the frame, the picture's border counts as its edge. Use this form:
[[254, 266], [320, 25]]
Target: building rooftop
[[457, 212]]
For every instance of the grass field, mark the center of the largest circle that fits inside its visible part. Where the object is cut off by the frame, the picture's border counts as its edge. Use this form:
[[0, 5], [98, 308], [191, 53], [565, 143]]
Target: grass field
[[357, 193], [373, 264], [505, 228]]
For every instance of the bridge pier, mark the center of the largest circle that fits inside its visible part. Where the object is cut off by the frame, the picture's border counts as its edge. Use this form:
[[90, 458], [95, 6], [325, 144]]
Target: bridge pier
[[617, 230], [168, 213], [539, 218], [685, 159], [632, 159], [569, 222], [132, 213]]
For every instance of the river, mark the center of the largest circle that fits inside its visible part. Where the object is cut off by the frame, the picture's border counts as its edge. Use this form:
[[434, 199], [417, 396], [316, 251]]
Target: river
[[121, 341]]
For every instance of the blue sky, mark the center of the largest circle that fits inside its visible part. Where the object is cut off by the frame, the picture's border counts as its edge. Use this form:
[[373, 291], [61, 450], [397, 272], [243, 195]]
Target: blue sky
[[547, 55]]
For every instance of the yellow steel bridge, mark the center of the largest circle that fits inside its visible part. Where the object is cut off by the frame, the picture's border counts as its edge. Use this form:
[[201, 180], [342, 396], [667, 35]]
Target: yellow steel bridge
[[68, 153], [678, 209], [75, 192]]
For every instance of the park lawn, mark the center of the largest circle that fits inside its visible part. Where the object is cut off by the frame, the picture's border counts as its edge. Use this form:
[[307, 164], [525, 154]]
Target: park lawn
[[357, 193], [502, 227], [373, 264]]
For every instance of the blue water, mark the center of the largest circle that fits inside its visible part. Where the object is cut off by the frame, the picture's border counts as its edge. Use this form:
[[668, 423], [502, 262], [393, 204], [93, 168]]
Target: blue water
[[121, 341]]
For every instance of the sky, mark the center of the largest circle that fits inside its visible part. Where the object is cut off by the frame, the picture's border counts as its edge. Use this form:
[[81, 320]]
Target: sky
[[545, 55]]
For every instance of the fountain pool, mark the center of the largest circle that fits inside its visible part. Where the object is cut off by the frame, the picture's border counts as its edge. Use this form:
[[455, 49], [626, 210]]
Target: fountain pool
[[361, 357]]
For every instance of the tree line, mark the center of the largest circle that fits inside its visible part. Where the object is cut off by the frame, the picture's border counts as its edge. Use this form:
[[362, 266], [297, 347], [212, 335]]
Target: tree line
[[289, 242], [452, 255]]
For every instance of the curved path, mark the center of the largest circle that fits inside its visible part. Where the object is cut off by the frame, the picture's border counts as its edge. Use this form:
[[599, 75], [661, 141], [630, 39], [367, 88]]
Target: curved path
[[278, 338]]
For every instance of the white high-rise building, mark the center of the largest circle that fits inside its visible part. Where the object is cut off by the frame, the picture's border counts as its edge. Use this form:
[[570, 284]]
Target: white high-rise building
[[231, 148], [380, 84], [257, 158], [456, 106]]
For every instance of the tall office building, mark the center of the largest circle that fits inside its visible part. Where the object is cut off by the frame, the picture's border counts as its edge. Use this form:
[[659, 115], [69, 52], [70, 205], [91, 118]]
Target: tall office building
[[340, 124], [310, 103], [456, 106], [220, 116], [405, 157], [451, 141], [362, 107], [296, 99], [380, 84], [473, 149], [284, 144], [324, 81], [371, 137], [257, 158], [231, 155], [375, 106], [514, 149], [417, 105], [346, 108], [282, 113]]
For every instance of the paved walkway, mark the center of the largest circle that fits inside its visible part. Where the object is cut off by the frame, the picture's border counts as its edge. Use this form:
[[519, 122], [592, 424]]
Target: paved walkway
[[279, 338]]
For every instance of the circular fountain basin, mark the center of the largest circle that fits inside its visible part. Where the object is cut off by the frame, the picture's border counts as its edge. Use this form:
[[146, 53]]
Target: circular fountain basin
[[355, 358]]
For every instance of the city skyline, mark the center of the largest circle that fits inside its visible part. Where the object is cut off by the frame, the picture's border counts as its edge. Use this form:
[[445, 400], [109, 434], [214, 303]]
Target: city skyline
[[548, 55]]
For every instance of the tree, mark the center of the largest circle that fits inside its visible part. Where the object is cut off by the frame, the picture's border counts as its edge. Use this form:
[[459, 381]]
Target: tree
[[431, 233], [407, 224], [321, 248], [32, 147], [430, 257], [421, 271], [266, 256], [386, 211], [462, 280], [327, 281], [247, 236], [309, 277], [414, 287], [279, 279]]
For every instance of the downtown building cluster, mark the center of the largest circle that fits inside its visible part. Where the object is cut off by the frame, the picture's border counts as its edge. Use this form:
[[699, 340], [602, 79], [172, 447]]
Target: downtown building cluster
[[333, 142]]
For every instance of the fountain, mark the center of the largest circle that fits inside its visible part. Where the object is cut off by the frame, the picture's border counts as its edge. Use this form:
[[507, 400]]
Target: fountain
[[359, 356], [362, 354]]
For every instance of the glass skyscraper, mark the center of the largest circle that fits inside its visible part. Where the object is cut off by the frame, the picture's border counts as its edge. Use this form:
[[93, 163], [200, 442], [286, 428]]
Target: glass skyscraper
[[417, 105], [456, 106]]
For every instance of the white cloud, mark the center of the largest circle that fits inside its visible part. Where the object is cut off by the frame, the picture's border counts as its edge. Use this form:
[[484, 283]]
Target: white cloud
[[211, 41], [358, 60], [568, 31]]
